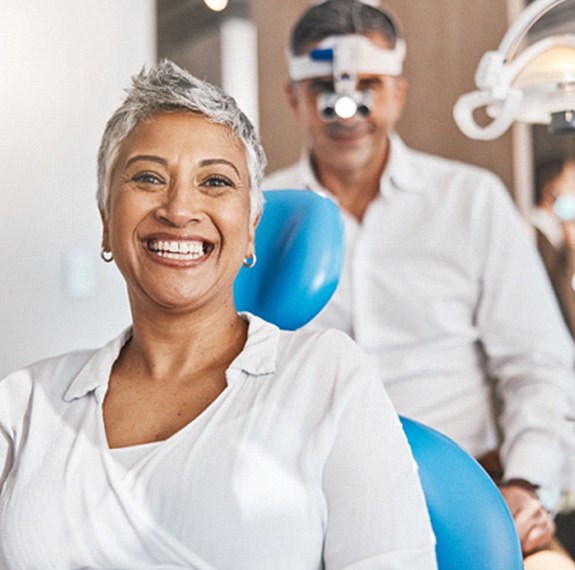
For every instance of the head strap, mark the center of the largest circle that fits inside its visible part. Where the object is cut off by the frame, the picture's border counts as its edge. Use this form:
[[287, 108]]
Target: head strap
[[350, 54]]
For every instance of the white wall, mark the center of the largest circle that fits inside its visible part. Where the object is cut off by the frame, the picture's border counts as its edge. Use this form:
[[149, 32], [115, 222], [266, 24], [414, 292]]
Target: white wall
[[63, 67], [239, 53]]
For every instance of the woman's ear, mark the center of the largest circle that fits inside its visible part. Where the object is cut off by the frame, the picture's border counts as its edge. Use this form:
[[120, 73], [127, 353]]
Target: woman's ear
[[105, 232], [252, 235], [256, 222], [252, 231]]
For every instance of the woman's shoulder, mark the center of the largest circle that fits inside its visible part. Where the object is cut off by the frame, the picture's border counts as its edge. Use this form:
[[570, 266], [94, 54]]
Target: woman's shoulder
[[329, 353], [325, 339], [44, 381], [325, 371], [66, 365], [320, 360]]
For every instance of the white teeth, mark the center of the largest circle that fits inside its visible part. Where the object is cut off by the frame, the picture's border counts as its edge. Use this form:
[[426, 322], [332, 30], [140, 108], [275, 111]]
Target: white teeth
[[182, 250]]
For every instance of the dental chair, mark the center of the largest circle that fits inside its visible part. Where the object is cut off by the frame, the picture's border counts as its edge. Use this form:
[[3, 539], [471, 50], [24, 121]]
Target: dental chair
[[299, 244], [299, 247]]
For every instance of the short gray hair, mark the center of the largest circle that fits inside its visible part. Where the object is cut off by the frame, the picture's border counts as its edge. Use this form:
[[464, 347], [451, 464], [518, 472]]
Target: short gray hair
[[167, 87], [341, 18]]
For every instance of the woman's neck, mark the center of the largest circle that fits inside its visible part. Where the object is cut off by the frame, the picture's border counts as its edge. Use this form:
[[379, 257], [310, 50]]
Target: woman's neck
[[172, 346]]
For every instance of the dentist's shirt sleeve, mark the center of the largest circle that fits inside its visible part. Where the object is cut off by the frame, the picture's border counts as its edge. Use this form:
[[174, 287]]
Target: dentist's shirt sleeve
[[529, 351]]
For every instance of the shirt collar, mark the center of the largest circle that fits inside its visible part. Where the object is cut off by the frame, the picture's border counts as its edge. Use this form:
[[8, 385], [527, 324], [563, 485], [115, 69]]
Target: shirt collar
[[399, 172], [259, 355], [94, 375], [307, 175], [258, 358]]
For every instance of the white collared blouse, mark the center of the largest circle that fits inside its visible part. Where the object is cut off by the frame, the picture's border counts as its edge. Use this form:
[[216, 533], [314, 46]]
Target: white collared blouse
[[300, 463]]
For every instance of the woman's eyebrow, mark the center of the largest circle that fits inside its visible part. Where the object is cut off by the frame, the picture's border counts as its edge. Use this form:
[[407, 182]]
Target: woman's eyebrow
[[211, 161], [148, 157], [163, 161]]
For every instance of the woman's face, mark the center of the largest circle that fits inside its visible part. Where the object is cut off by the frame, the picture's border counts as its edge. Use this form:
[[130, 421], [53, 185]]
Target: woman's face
[[178, 224]]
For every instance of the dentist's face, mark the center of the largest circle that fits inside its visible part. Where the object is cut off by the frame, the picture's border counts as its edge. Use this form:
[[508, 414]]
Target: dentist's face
[[357, 142]]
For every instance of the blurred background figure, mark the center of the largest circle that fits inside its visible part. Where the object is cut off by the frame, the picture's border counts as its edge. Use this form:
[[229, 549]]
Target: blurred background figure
[[554, 221]]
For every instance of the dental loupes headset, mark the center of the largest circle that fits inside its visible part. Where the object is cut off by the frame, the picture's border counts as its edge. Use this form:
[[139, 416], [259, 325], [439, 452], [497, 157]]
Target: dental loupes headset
[[343, 58]]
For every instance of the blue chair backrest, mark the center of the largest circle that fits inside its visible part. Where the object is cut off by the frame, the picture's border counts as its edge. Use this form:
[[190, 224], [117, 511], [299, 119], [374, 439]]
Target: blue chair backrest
[[472, 524], [299, 247], [299, 244]]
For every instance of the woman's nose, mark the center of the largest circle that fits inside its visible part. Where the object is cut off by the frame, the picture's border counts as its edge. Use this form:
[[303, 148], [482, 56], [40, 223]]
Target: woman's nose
[[181, 206]]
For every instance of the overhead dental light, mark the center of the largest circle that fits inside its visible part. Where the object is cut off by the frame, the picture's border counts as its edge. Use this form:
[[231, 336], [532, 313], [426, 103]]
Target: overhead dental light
[[535, 86], [216, 5], [342, 59]]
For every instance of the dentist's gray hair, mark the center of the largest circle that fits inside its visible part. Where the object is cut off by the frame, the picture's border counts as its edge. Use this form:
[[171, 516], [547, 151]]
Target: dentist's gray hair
[[341, 18], [167, 87]]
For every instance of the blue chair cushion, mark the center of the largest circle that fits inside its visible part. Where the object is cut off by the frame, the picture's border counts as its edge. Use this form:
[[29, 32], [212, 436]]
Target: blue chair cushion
[[472, 524], [299, 246]]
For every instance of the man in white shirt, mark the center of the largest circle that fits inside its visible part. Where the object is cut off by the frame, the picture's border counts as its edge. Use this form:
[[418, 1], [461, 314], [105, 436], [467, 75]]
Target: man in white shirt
[[440, 283]]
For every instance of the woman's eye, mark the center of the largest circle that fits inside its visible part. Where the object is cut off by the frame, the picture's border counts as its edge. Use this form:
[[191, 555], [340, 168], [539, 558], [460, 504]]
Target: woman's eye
[[218, 182], [147, 178]]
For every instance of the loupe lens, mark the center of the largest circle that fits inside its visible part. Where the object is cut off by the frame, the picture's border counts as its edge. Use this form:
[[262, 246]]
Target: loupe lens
[[363, 110], [328, 113]]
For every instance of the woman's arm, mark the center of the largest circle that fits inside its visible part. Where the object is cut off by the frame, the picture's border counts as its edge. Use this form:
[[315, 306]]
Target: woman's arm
[[377, 517]]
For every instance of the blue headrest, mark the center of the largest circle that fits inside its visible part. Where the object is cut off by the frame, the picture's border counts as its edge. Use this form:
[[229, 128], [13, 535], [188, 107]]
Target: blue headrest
[[299, 247], [472, 524]]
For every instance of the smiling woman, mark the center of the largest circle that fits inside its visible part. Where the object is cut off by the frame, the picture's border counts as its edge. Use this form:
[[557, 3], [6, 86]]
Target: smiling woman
[[201, 437], [178, 222]]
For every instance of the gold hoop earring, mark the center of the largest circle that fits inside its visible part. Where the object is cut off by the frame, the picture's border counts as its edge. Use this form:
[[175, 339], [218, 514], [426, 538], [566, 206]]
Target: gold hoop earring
[[106, 255], [249, 262]]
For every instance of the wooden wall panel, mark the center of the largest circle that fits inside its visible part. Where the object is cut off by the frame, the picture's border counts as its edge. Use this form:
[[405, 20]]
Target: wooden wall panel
[[280, 135]]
